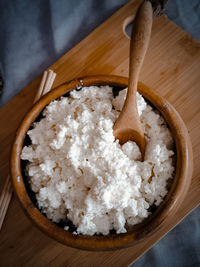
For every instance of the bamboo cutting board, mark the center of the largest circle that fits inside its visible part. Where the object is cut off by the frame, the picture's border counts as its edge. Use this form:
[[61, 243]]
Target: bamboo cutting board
[[171, 67]]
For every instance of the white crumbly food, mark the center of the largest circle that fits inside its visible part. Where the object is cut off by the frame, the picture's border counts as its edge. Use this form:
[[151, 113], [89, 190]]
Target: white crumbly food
[[80, 173]]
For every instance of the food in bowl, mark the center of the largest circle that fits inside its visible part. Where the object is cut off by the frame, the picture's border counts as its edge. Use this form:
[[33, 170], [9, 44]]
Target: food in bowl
[[80, 173]]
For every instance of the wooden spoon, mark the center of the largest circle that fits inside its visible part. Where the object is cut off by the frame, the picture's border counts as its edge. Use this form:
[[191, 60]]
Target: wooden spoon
[[128, 125]]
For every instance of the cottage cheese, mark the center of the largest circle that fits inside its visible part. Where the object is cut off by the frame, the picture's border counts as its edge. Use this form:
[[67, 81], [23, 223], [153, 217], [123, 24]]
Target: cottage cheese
[[79, 172]]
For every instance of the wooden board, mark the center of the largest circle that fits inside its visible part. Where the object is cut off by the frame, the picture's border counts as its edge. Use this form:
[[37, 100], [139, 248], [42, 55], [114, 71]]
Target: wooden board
[[172, 67]]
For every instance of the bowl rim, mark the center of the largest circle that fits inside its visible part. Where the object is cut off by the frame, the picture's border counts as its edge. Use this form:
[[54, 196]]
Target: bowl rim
[[153, 223]]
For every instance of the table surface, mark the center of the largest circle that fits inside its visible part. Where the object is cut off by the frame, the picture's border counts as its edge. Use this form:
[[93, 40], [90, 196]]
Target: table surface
[[171, 67]]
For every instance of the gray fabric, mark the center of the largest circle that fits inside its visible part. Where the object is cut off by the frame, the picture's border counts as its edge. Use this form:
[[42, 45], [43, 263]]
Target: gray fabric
[[186, 14], [34, 34], [179, 248]]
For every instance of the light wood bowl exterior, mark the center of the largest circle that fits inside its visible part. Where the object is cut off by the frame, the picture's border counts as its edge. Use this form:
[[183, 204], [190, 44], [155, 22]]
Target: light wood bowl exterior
[[182, 179]]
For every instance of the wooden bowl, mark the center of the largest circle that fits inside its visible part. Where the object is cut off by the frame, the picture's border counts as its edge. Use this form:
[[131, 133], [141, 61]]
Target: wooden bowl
[[181, 182]]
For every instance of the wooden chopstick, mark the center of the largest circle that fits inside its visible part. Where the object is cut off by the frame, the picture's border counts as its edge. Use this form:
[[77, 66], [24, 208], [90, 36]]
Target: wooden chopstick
[[6, 200], [6, 194], [5, 188], [41, 87], [49, 83]]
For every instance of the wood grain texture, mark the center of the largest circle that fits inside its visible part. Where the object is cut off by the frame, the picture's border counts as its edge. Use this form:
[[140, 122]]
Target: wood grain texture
[[171, 67]]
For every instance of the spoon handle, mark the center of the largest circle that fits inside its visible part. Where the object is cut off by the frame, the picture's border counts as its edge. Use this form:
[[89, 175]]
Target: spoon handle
[[128, 125], [140, 37]]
